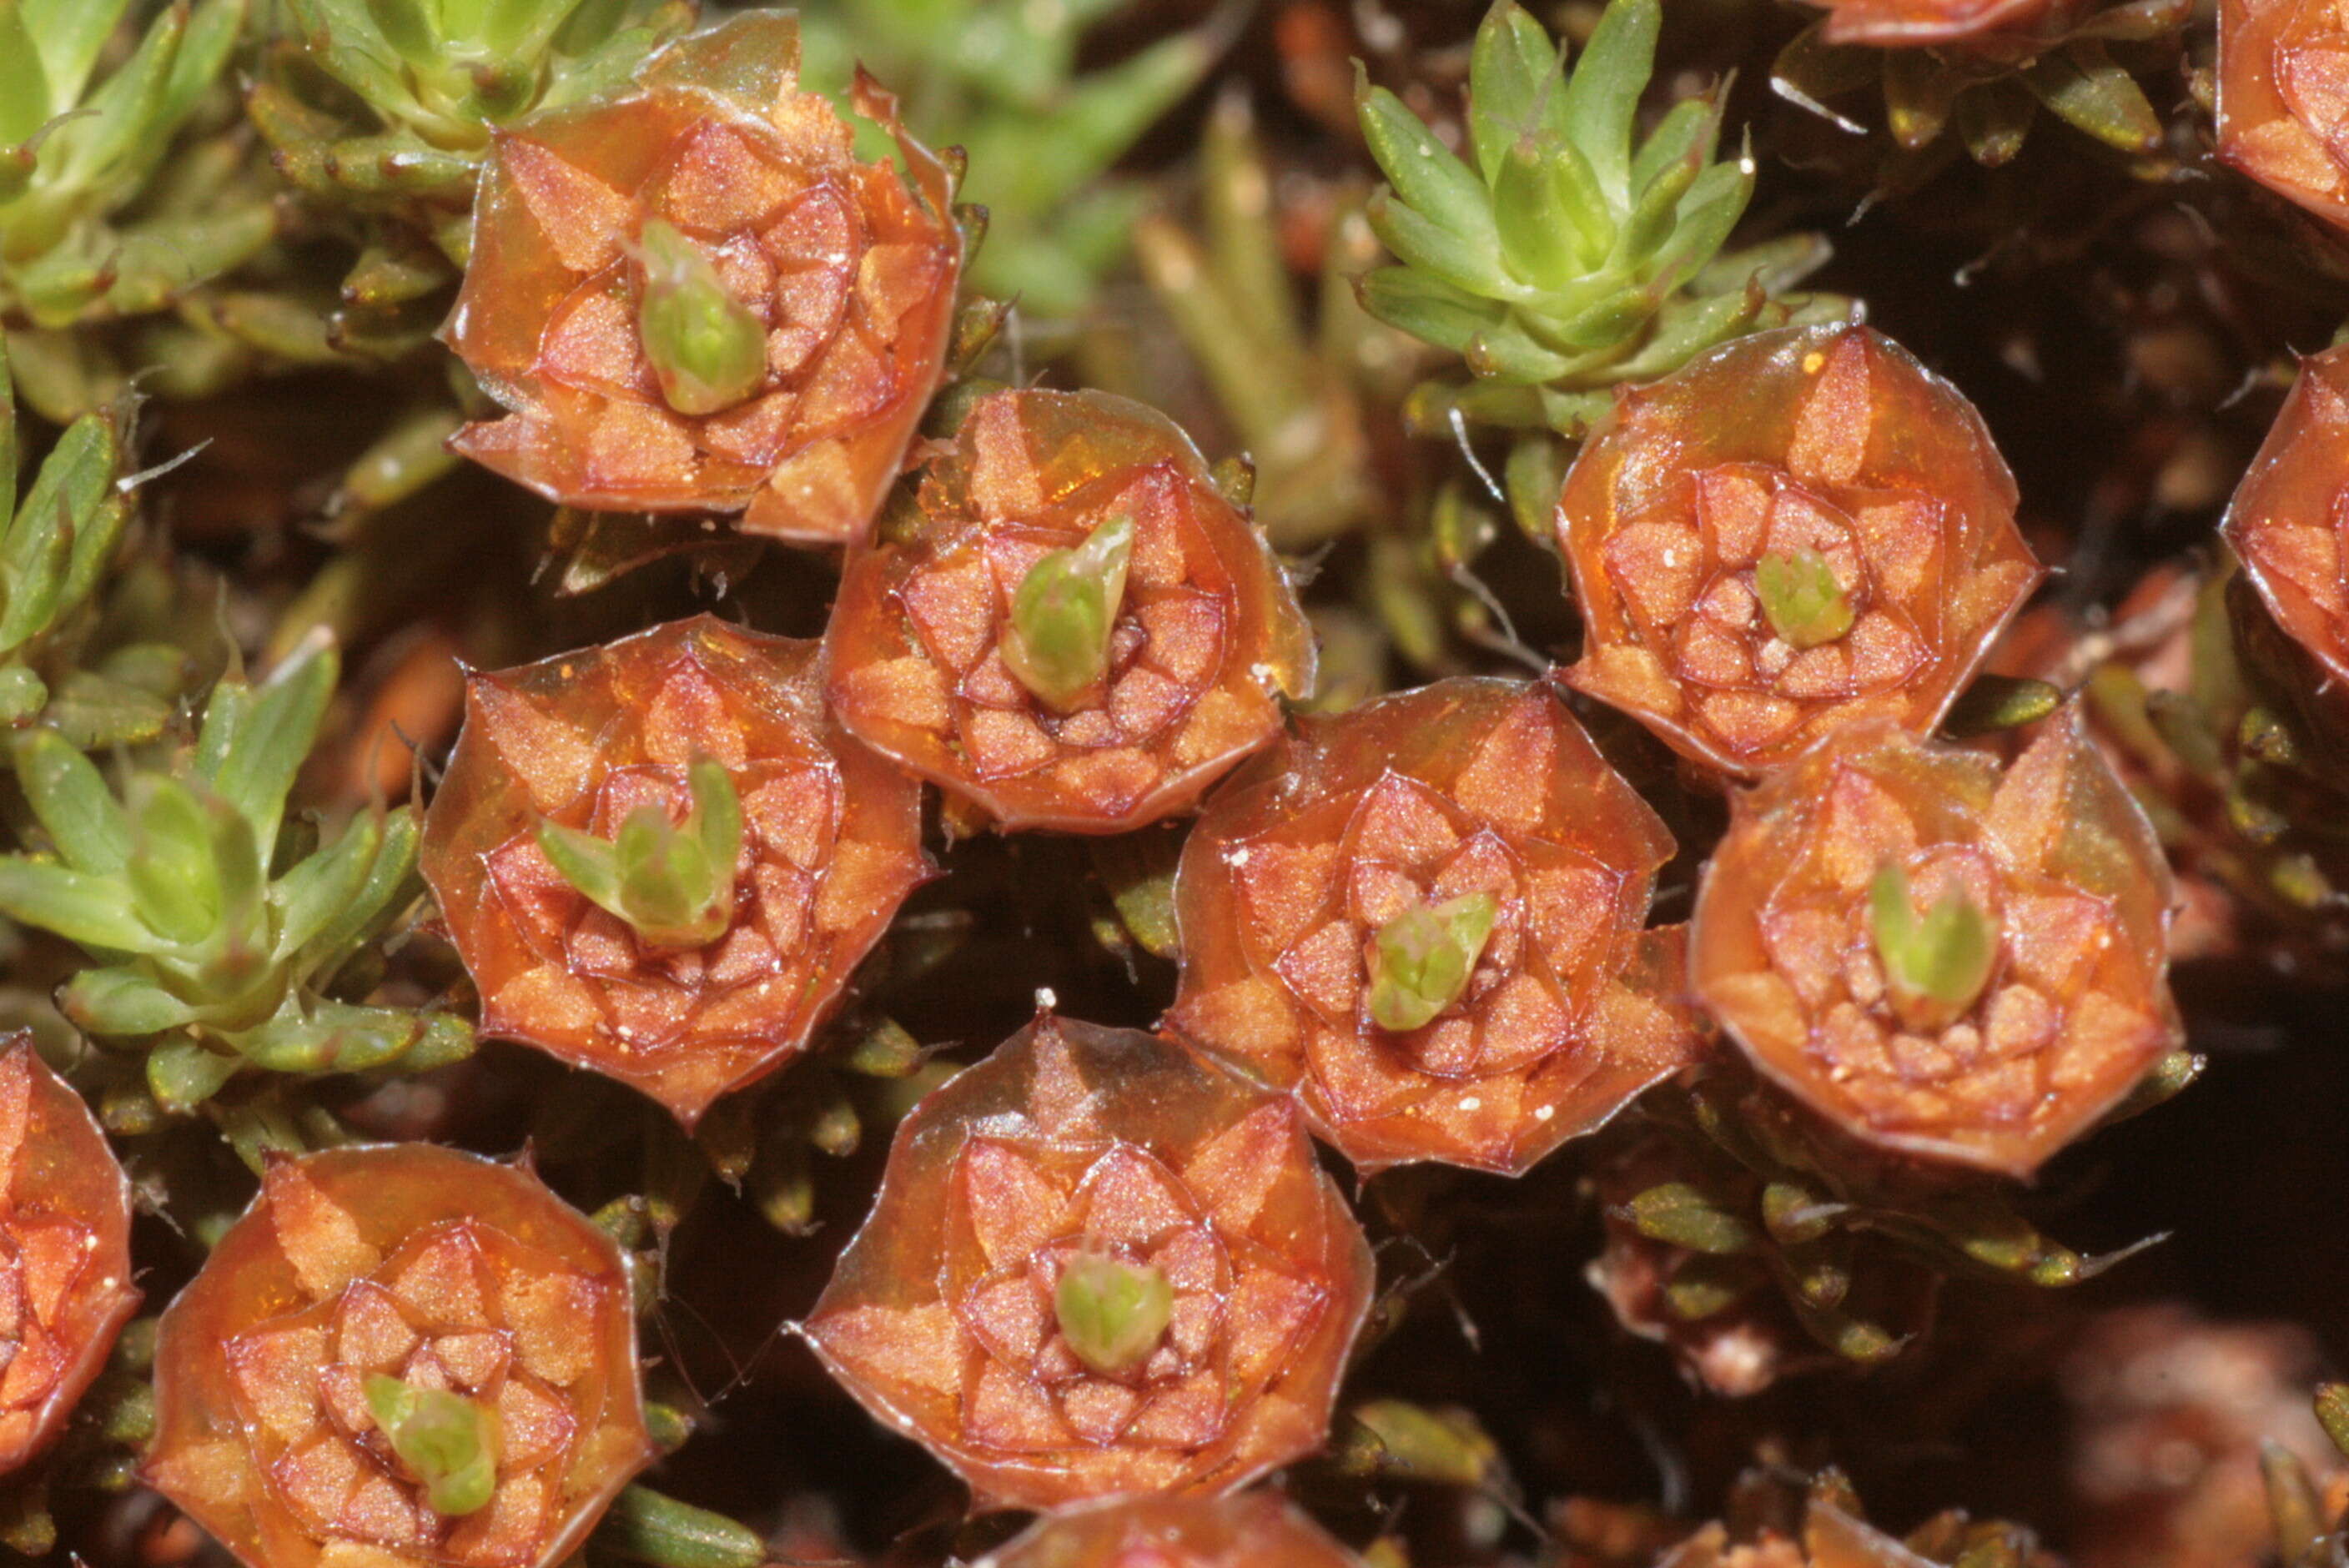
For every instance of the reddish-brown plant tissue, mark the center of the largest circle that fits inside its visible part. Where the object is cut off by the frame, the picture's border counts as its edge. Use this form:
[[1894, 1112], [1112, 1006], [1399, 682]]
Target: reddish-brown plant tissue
[[831, 846], [2289, 523], [850, 266], [1072, 1140], [2284, 99], [1827, 444], [1728, 1321], [2050, 849], [65, 1251], [1255, 1530], [1899, 23], [1207, 633], [440, 1269], [1466, 786]]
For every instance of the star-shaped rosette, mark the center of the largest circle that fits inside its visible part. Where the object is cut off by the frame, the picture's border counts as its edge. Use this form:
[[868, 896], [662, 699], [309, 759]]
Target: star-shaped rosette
[[1072, 627], [1427, 918], [1799, 531], [400, 1356], [1944, 957], [1098, 1268], [693, 296], [586, 745]]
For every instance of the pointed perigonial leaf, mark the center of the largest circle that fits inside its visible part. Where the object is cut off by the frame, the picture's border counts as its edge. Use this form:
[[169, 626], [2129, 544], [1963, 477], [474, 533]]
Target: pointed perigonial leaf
[[1027, 1171], [1924, 877], [296, 1292], [737, 396], [622, 806], [1750, 479], [1468, 806], [1131, 692]]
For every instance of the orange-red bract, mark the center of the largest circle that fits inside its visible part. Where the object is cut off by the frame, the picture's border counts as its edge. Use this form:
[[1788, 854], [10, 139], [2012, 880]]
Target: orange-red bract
[[1075, 1140], [851, 267], [832, 845], [1896, 23], [1256, 1529], [1468, 785], [2284, 99], [65, 1251], [1207, 633], [1824, 444], [437, 1268], [2050, 849], [2289, 521]]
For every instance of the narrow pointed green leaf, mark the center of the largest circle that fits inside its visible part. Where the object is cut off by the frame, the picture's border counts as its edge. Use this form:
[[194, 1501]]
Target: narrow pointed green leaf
[[71, 35], [1425, 174], [1436, 252], [121, 1001], [309, 897], [390, 887], [1691, 129], [1602, 94], [173, 879], [2087, 88], [181, 1074], [1427, 307], [278, 722], [95, 912], [588, 863], [89, 826], [127, 112], [1511, 64], [25, 88]]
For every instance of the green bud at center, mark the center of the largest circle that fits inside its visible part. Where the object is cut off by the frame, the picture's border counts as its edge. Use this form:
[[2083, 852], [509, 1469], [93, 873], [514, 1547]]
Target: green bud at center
[[708, 350], [1934, 965], [672, 882], [447, 1441], [1112, 1314], [1805, 603], [1057, 642], [1422, 959]]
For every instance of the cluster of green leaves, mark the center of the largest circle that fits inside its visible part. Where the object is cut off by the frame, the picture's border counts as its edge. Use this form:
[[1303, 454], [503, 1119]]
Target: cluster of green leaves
[[388, 105], [1001, 82], [55, 552], [98, 217], [1569, 256], [2081, 69], [218, 930], [1766, 1204], [673, 884]]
